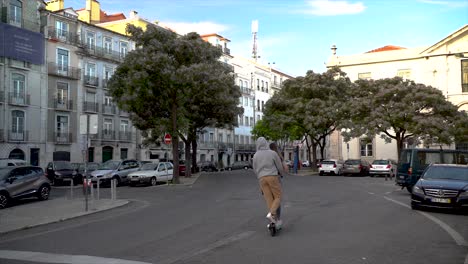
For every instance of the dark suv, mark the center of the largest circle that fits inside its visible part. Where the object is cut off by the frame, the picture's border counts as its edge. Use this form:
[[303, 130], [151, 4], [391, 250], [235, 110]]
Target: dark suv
[[356, 167], [207, 166], [59, 172], [22, 182]]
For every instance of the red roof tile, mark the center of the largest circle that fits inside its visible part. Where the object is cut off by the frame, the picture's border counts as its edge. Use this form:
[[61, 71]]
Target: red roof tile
[[386, 48], [113, 17]]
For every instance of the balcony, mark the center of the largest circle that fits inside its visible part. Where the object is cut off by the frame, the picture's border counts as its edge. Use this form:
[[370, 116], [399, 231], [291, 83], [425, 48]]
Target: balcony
[[104, 83], [19, 99], [56, 34], [91, 80], [125, 136], [227, 51], [246, 91], [123, 113], [90, 107], [62, 138], [108, 135], [245, 148], [61, 104], [18, 135], [109, 109], [206, 145], [64, 71], [104, 53]]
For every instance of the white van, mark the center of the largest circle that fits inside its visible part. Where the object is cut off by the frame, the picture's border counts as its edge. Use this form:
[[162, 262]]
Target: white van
[[12, 162]]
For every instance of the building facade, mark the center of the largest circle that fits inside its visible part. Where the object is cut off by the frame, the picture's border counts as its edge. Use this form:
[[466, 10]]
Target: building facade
[[443, 65]]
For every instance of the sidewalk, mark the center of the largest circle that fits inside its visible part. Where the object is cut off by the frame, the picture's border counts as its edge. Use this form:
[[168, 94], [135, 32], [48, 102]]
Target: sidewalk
[[37, 213]]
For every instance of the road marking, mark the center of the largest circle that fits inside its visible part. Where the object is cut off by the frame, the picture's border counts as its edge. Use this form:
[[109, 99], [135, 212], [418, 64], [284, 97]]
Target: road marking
[[209, 248], [454, 234], [61, 258]]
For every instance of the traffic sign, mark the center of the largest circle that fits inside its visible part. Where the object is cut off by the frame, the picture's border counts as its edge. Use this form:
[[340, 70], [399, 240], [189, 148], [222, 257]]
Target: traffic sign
[[167, 139]]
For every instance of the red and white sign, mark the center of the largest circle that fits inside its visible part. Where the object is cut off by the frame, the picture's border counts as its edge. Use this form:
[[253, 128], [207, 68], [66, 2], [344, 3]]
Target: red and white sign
[[167, 139]]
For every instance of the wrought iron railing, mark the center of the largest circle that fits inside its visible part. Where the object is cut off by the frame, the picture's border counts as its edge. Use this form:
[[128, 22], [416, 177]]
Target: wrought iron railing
[[64, 71], [62, 104], [18, 135], [91, 80], [90, 106], [63, 138], [19, 99]]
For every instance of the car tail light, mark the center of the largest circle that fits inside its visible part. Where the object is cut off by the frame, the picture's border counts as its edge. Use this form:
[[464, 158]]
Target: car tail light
[[320, 165], [334, 165], [389, 166], [360, 166]]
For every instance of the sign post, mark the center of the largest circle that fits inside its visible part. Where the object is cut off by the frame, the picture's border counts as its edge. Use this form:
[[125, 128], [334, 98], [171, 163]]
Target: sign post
[[88, 125]]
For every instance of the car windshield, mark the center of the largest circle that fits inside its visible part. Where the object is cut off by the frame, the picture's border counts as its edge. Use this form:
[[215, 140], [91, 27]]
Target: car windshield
[[352, 162], [148, 166], [109, 165], [380, 162], [446, 173], [63, 165], [329, 162], [4, 172]]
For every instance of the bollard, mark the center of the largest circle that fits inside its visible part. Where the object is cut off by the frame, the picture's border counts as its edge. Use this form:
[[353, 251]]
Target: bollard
[[92, 190], [71, 189], [98, 193]]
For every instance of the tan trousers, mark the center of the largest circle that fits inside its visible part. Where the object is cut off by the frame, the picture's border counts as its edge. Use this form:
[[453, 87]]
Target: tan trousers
[[271, 189]]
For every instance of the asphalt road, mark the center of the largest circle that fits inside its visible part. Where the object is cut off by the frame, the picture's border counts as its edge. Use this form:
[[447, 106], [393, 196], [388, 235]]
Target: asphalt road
[[221, 219]]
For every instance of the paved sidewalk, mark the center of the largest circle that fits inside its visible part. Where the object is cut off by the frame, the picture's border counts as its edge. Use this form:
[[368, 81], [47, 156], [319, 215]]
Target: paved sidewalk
[[35, 213]]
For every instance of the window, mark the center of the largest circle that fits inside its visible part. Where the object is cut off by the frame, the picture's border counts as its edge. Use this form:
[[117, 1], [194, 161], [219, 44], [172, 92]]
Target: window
[[123, 49], [240, 100], [266, 87], [62, 29], [241, 139], [241, 120], [90, 40], [17, 123], [275, 82], [228, 139], [62, 125], [366, 147], [241, 84], [62, 93], [211, 137], [16, 12], [464, 66], [258, 118], [123, 153], [107, 100], [252, 102], [263, 105], [18, 87], [124, 126], [405, 74], [364, 76], [108, 45], [258, 105], [246, 101], [62, 60], [258, 84], [91, 69], [90, 97], [251, 122], [246, 121], [108, 126], [220, 137]]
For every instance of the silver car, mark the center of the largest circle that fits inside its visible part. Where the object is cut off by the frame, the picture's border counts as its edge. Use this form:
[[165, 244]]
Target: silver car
[[22, 182], [152, 173], [113, 169]]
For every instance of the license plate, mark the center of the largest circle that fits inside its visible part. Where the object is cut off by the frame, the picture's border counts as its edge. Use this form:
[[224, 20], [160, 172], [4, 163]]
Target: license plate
[[440, 200], [327, 171]]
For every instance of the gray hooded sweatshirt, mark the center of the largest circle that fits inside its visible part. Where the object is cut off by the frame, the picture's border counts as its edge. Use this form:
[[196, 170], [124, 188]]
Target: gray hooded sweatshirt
[[266, 162]]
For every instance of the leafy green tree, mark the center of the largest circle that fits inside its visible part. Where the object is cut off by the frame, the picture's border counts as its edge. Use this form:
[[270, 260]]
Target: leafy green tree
[[400, 109], [154, 82]]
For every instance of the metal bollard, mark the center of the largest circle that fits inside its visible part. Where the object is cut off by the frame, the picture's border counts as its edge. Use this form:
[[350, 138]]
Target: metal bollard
[[71, 189], [98, 193]]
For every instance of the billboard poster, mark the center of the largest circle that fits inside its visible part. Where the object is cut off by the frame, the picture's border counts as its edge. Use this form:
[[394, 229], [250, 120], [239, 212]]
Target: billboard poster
[[21, 44]]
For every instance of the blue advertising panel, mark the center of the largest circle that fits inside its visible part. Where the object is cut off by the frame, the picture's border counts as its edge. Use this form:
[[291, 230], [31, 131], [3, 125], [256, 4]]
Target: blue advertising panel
[[21, 44]]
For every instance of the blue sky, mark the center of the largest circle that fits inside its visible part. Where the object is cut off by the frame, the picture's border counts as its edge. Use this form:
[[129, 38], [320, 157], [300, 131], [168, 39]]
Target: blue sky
[[297, 34]]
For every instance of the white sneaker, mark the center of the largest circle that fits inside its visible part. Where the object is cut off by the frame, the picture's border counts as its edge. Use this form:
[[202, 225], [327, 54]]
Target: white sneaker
[[271, 218], [279, 224]]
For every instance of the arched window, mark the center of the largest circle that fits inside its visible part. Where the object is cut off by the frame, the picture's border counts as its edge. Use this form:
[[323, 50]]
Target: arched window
[[18, 88], [17, 121], [17, 154]]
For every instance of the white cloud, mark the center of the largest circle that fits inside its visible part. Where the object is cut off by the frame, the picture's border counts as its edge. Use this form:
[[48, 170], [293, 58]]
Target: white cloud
[[446, 3], [332, 8], [204, 27]]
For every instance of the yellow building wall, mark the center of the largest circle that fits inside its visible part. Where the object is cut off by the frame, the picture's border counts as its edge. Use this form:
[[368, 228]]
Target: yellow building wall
[[83, 15], [122, 26], [54, 5]]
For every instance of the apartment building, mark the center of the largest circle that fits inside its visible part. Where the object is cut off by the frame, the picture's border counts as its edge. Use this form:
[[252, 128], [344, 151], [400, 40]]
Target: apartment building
[[443, 65], [23, 86]]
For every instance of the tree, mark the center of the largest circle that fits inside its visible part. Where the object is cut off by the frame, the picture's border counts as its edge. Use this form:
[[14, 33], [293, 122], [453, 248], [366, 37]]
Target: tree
[[399, 109], [152, 83]]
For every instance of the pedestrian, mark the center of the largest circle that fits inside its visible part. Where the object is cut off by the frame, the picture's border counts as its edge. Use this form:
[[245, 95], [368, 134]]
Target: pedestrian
[[267, 166], [274, 147]]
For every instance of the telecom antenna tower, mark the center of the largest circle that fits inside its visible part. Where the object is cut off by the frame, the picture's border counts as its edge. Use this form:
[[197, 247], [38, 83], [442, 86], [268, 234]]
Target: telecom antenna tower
[[254, 39]]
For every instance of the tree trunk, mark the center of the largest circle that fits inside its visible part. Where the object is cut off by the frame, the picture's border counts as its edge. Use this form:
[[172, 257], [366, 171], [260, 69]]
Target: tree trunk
[[188, 157], [192, 136], [175, 141], [399, 140]]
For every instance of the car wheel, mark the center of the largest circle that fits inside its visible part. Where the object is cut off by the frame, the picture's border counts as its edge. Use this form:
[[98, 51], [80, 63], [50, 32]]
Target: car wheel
[[153, 181], [4, 199], [229, 169], [43, 193], [246, 168], [409, 189], [321, 173]]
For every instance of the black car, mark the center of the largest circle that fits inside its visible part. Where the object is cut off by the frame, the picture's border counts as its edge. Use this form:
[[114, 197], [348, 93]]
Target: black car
[[60, 172], [442, 186], [80, 170], [238, 165], [207, 166]]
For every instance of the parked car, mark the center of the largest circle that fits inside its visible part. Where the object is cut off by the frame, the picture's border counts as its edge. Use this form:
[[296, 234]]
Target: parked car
[[12, 162], [80, 169], [386, 167], [152, 173], [331, 166], [305, 163], [22, 182], [207, 166], [442, 186], [60, 172], [356, 167], [238, 165], [414, 161], [113, 169]]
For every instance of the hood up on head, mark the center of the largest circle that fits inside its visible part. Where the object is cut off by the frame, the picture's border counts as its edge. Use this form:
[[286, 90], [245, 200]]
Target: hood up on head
[[262, 144]]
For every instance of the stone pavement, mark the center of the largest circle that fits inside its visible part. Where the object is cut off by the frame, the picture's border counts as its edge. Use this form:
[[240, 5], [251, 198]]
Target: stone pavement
[[27, 215]]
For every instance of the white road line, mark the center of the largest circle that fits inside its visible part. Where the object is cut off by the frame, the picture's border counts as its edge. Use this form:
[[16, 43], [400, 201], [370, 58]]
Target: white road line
[[61, 258], [454, 234]]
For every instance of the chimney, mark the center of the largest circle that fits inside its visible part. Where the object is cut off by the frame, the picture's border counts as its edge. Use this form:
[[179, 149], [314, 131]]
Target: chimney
[[55, 5], [133, 14], [334, 48], [94, 9]]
